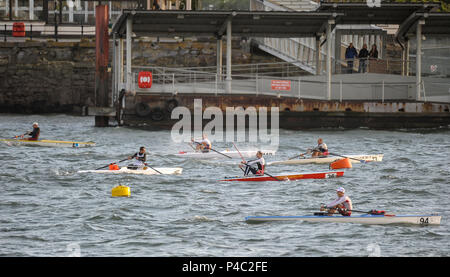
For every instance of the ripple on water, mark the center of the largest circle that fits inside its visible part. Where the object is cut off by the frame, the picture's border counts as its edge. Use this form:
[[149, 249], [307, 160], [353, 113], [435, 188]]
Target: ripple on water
[[47, 205]]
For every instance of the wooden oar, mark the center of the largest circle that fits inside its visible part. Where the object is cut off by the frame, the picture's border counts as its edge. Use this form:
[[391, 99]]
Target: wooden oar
[[215, 151], [361, 161], [245, 162], [112, 163]]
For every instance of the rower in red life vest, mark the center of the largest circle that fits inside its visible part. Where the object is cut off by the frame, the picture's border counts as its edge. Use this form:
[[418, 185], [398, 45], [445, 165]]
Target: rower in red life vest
[[204, 145], [343, 204], [34, 135], [259, 162], [320, 150]]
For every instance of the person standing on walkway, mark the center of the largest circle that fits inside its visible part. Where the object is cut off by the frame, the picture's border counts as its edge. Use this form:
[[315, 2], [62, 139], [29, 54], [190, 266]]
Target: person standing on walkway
[[373, 54], [350, 55], [363, 56]]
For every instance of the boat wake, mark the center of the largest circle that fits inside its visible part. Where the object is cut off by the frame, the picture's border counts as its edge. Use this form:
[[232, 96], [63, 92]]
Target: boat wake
[[199, 218], [63, 172]]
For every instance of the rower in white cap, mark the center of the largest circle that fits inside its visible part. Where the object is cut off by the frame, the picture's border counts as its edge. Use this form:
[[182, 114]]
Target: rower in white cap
[[34, 135], [343, 204]]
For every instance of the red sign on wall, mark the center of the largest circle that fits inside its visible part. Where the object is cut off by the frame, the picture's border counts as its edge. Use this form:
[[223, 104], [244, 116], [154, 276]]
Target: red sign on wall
[[281, 85], [145, 79]]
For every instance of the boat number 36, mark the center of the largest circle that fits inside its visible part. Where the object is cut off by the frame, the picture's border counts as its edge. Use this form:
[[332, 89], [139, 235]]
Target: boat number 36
[[423, 220], [330, 175]]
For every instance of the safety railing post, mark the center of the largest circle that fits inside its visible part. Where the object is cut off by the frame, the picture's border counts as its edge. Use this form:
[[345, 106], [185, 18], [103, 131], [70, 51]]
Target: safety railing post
[[164, 77], [423, 88], [56, 31], [216, 84], [173, 83], [382, 91], [256, 83]]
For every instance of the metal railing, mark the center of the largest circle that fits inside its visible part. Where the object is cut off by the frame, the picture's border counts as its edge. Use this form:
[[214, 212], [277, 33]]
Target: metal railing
[[36, 31], [287, 69], [373, 65], [239, 71], [84, 13], [272, 79]]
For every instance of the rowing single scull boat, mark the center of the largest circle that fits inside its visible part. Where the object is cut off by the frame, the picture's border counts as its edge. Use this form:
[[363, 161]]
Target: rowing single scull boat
[[145, 171], [330, 159], [314, 175], [431, 219], [214, 155], [50, 143]]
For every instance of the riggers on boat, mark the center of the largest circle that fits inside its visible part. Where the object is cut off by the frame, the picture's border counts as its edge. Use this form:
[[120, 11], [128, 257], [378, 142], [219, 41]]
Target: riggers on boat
[[48, 143], [144, 171], [298, 176], [329, 159], [215, 155], [426, 219]]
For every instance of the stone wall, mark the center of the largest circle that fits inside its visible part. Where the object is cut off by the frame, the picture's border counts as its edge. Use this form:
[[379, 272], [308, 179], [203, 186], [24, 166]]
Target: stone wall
[[48, 77], [38, 77], [195, 53]]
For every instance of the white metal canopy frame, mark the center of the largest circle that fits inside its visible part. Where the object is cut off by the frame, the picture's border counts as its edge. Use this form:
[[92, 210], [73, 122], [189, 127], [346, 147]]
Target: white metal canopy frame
[[411, 18], [218, 24], [214, 23], [319, 23]]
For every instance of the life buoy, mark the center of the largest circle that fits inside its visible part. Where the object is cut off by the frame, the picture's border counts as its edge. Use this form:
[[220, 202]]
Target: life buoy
[[171, 104], [142, 109], [157, 114]]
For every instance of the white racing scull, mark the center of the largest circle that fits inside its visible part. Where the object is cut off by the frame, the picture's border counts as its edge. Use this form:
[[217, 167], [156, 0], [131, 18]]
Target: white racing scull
[[329, 159], [145, 171], [215, 155], [427, 219]]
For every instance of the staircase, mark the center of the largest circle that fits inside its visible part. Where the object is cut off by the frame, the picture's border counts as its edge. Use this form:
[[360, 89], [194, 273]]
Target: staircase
[[302, 51], [296, 5]]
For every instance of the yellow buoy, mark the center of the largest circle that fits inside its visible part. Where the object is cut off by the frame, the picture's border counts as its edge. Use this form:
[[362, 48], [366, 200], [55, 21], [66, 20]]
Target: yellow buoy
[[121, 191]]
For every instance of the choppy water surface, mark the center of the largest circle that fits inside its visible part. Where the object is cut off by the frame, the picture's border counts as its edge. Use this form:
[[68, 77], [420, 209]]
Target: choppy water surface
[[50, 210]]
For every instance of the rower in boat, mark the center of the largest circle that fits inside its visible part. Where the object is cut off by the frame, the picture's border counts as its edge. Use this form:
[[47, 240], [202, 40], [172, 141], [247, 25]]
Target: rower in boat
[[259, 162], [204, 145], [320, 150], [34, 135], [139, 159], [343, 204]]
